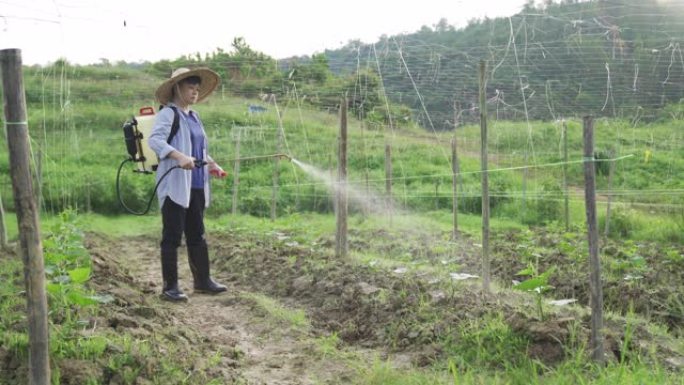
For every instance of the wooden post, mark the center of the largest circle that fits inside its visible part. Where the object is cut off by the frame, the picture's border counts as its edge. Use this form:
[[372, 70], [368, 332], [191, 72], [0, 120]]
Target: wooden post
[[592, 229], [276, 162], [341, 244], [485, 178], [565, 176], [388, 181], [611, 172], [454, 186], [236, 172], [27, 216]]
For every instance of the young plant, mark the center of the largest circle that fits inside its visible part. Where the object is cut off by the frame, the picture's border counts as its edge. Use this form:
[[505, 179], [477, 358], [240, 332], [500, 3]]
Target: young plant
[[537, 283], [67, 265]]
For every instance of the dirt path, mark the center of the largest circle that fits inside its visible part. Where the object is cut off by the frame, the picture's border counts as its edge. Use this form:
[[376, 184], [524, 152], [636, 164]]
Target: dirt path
[[254, 349]]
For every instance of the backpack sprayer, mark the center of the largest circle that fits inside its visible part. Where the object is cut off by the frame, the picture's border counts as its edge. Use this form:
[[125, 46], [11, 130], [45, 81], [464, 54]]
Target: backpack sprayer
[[136, 134], [137, 130]]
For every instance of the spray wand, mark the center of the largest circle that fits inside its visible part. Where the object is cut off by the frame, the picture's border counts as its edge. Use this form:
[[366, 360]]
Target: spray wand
[[288, 157], [220, 173]]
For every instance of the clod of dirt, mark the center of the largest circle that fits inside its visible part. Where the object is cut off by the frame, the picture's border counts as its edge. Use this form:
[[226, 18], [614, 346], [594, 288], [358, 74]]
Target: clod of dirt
[[547, 338], [302, 283], [144, 311], [77, 372], [119, 320], [675, 362], [367, 289]]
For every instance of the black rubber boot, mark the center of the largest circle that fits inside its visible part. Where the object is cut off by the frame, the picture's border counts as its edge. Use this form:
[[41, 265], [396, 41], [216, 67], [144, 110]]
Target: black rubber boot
[[198, 257], [170, 291]]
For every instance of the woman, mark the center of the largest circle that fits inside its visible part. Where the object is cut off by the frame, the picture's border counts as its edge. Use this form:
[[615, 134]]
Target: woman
[[184, 193]]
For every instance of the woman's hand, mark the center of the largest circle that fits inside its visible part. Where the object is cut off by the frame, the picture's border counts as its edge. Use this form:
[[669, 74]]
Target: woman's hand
[[216, 170], [185, 162]]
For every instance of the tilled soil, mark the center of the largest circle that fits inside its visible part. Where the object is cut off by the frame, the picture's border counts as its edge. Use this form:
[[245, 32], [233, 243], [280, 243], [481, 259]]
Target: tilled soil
[[404, 315], [641, 277], [253, 350]]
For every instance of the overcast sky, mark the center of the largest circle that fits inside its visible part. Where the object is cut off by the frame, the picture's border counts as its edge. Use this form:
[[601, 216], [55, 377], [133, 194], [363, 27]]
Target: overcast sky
[[84, 31]]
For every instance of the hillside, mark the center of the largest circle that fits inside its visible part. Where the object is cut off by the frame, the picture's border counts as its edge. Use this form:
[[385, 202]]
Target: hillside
[[76, 114], [618, 58]]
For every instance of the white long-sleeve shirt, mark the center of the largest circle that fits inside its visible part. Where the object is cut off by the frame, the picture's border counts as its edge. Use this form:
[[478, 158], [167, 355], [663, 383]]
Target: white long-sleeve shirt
[[177, 184]]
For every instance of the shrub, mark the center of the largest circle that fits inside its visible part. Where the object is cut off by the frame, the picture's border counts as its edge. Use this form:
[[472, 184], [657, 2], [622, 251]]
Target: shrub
[[623, 223]]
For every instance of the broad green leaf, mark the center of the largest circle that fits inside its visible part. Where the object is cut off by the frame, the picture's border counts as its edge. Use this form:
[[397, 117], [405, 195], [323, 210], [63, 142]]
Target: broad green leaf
[[547, 273], [527, 271], [79, 275], [53, 288], [531, 284], [79, 298]]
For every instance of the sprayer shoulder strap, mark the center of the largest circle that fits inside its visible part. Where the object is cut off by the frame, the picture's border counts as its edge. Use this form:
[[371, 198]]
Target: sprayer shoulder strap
[[175, 125]]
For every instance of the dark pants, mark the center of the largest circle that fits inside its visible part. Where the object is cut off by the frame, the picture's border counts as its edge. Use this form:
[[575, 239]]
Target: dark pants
[[177, 220]]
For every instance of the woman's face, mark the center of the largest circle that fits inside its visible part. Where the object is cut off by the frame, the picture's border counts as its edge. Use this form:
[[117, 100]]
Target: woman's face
[[189, 92]]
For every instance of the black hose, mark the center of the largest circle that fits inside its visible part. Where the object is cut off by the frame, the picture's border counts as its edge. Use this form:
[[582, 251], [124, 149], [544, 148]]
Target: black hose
[[149, 203]]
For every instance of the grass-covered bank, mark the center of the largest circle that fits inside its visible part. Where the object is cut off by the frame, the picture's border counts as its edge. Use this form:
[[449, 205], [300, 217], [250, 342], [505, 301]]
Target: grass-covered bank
[[77, 144]]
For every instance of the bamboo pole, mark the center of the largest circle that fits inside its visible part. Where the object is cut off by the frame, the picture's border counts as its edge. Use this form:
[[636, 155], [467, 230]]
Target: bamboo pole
[[454, 186], [485, 178], [565, 177], [388, 181], [3, 227], [592, 233], [236, 172], [27, 216], [367, 207], [611, 172], [87, 197], [276, 161], [525, 171], [39, 180], [333, 201], [341, 244]]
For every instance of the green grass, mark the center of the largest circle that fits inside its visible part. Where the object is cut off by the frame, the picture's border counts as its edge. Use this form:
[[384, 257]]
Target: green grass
[[116, 226], [486, 366], [79, 153], [294, 318], [123, 225], [479, 360]]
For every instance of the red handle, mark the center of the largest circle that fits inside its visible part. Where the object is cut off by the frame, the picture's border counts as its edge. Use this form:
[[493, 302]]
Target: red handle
[[147, 111]]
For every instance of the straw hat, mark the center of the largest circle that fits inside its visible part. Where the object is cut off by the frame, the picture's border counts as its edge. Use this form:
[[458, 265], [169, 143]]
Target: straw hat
[[210, 80]]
